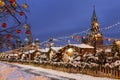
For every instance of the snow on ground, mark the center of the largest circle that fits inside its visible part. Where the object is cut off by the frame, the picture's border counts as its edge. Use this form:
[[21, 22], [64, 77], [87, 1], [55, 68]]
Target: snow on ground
[[13, 73], [56, 74]]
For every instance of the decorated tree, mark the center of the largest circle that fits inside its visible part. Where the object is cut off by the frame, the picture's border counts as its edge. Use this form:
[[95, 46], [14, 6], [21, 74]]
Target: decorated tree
[[101, 57], [12, 20], [115, 48]]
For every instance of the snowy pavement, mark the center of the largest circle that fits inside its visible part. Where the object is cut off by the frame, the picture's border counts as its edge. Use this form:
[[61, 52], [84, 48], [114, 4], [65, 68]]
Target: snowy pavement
[[7, 72], [52, 74]]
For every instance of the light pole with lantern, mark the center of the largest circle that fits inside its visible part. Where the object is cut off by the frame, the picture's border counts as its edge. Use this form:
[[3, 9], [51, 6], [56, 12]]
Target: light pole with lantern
[[95, 36]]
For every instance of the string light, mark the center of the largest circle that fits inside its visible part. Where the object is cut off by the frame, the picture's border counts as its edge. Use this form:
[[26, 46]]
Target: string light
[[85, 31], [14, 13]]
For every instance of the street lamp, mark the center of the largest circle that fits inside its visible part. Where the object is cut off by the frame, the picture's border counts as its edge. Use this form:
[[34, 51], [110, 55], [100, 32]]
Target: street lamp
[[95, 36], [37, 43], [18, 43], [51, 42], [26, 42]]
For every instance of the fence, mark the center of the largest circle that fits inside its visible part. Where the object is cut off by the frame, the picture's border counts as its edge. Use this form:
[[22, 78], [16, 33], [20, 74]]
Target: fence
[[97, 72]]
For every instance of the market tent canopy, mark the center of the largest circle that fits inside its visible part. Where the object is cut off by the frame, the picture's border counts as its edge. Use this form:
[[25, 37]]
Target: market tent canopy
[[56, 48], [44, 49], [81, 45]]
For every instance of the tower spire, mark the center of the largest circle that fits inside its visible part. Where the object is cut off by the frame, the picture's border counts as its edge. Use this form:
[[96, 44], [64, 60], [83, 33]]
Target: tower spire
[[94, 17], [94, 36]]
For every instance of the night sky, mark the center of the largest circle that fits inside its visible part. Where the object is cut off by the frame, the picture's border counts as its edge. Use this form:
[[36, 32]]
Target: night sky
[[58, 18]]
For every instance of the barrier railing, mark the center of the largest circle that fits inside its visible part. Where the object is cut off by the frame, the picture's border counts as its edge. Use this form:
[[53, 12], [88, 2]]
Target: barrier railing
[[97, 72]]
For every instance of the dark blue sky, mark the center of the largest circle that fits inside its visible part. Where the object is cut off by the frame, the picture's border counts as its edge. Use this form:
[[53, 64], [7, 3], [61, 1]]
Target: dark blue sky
[[59, 18]]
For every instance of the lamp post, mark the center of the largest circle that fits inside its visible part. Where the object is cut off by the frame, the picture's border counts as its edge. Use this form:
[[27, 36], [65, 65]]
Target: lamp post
[[18, 43], [95, 36], [50, 46], [37, 43], [51, 42]]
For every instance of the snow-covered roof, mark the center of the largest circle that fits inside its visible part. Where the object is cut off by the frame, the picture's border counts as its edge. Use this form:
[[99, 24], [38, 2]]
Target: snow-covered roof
[[36, 39], [26, 52], [33, 44], [44, 49], [31, 51], [13, 54], [99, 50], [56, 48], [82, 45], [108, 50], [20, 53], [47, 49]]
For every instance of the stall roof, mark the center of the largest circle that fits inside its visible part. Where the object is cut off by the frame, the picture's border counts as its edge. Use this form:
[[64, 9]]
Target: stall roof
[[29, 52], [82, 45], [44, 49], [32, 51], [47, 49], [56, 48], [26, 52], [108, 50]]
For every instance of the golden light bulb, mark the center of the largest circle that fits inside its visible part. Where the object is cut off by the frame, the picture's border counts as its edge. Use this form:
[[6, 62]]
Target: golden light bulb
[[14, 4], [118, 42], [24, 6], [99, 35], [25, 26], [70, 52], [95, 24], [2, 3]]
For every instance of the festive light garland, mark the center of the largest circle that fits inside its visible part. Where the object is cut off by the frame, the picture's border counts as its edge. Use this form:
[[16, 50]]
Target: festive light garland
[[75, 35], [13, 17]]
